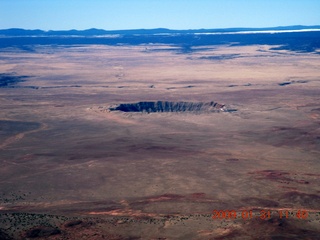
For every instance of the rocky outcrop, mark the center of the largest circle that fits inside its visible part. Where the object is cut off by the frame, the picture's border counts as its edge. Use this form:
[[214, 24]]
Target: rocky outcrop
[[165, 106]]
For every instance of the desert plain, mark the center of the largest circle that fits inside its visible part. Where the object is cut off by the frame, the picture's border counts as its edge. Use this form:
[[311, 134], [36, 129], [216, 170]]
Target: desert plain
[[73, 169]]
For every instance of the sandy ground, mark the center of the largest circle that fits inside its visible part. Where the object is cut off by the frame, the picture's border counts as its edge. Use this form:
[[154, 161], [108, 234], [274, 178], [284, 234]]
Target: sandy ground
[[71, 169]]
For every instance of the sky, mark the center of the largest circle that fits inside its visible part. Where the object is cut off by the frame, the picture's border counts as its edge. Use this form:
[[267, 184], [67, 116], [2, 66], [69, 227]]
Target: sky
[[173, 14]]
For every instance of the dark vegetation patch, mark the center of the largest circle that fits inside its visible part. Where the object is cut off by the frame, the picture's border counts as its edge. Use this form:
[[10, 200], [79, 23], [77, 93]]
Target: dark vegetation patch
[[12, 197], [303, 199], [221, 57], [9, 128], [20, 225], [232, 160], [43, 226], [71, 86], [165, 106], [305, 137], [273, 228], [4, 236], [42, 232], [73, 223], [245, 85], [278, 176], [277, 228], [275, 175], [170, 88], [9, 79]]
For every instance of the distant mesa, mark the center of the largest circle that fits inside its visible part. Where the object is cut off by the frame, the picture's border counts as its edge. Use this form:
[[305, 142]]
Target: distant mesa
[[292, 82], [284, 83], [291, 38], [157, 31], [7, 80], [166, 106]]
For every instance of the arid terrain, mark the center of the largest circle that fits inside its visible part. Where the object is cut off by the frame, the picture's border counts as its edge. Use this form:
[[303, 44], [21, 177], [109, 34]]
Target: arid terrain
[[221, 127]]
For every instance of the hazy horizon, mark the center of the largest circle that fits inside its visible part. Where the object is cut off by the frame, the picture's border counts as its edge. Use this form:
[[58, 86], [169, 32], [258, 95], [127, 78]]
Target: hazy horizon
[[142, 14], [105, 29]]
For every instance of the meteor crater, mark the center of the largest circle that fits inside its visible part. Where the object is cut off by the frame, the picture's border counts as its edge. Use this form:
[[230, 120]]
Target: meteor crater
[[166, 106]]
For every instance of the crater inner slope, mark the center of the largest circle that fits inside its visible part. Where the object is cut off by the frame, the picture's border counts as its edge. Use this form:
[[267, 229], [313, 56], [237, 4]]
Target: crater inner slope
[[166, 106]]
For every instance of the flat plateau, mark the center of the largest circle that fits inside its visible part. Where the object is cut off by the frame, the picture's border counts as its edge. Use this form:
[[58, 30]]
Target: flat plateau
[[72, 169]]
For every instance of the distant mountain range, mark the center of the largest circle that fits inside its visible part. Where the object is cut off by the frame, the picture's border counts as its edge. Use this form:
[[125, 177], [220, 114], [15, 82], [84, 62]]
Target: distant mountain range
[[101, 32], [293, 38]]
